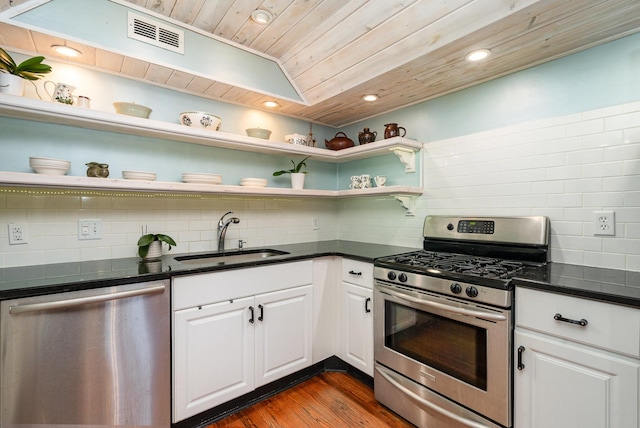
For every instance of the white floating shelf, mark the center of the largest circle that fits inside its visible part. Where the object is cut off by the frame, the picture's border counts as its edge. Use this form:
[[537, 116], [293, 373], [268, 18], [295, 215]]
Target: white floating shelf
[[49, 112], [23, 179]]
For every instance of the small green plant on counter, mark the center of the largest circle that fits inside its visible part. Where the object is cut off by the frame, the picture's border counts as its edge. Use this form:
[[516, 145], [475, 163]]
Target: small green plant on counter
[[145, 242], [29, 69], [295, 170]]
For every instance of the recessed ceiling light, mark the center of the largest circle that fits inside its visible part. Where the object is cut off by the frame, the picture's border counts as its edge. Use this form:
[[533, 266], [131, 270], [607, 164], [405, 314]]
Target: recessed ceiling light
[[370, 97], [65, 50], [271, 104], [261, 16], [477, 55]]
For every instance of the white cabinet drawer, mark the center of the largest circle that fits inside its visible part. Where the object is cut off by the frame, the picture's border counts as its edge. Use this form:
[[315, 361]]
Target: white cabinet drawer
[[609, 326], [357, 272], [205, 288]]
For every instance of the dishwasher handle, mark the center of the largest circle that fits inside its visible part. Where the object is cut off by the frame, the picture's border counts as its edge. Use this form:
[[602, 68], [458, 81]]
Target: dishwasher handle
[[67, 303]]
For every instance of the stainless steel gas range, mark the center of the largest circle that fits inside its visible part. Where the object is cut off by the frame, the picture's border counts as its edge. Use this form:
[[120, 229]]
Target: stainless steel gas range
[[443, 324]]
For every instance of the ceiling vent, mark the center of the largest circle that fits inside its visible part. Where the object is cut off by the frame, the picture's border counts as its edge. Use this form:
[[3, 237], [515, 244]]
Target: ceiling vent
[[155, 33]]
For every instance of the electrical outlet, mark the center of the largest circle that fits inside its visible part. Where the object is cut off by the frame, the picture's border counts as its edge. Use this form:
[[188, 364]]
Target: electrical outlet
[[315, 223], [89, 229], [17, 234], [604, 223]]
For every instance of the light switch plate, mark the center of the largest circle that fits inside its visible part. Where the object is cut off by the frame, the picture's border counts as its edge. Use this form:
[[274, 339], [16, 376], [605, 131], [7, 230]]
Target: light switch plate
[[89, 229]]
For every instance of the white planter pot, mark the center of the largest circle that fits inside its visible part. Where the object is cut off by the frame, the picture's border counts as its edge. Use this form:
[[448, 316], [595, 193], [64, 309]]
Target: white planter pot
[[11, 84], [155, 251], [297, 180]]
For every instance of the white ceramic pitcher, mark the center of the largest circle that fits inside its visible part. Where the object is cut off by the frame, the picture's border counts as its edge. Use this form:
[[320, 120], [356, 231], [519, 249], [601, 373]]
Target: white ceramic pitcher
[[62, 92]]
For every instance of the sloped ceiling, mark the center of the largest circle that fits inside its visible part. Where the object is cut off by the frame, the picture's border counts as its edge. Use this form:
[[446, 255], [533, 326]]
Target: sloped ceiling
[[336, 51]]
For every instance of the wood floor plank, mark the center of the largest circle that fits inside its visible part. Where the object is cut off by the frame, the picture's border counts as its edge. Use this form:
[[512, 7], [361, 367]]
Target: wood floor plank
[[331, 400]]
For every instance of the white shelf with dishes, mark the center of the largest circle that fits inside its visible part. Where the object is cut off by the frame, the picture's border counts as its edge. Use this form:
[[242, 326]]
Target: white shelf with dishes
[[49, 112], [30, 180], [61, 114]]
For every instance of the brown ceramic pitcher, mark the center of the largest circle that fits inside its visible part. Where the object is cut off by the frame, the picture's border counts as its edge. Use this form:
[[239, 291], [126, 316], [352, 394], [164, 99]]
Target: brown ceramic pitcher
[[393, 130]]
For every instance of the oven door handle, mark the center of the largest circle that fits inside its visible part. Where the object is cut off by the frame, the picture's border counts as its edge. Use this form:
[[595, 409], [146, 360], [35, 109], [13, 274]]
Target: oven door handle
[[490, 316], [412, 395]]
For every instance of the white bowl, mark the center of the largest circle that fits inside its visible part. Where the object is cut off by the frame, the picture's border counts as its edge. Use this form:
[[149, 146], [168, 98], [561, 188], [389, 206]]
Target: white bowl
[[49, 170], [298, 139], [132, 109], [201, 177], [139, 175], [200, 119], [259, 133], [253, 182], [49, 166]]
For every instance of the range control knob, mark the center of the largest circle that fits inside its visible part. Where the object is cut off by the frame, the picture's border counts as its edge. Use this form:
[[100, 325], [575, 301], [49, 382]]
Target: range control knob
[[450, 226], [391, 275], [402, 277], [471, 291], [455, 288]]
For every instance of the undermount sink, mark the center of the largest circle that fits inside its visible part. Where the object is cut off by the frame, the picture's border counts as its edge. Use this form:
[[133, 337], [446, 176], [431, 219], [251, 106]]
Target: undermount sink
[[226, 257]]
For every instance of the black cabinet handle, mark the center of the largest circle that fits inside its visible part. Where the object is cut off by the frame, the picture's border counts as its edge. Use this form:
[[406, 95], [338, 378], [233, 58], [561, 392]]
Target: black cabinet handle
[[251, 320], [261, 317], [583, 322], [520, 364], [355, 273], [367, 309]]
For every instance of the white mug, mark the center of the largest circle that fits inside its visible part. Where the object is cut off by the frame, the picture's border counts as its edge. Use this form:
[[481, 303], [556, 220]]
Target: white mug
[[83, 101], [365, 181], [380, 180], [355, 182]]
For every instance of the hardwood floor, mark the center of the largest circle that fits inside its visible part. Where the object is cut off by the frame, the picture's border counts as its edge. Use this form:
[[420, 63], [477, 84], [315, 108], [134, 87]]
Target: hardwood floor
[[330, 399]]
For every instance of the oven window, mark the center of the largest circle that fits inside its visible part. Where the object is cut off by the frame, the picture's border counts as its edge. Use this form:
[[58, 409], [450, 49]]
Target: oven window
[[450, 346]]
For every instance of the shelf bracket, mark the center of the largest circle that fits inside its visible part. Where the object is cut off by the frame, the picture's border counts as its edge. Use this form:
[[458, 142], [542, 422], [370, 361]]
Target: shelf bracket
[[408, 203], [407, 157]]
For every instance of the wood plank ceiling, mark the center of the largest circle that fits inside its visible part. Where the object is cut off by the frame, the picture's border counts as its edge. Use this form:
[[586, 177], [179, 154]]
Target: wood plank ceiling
[[336, 51]]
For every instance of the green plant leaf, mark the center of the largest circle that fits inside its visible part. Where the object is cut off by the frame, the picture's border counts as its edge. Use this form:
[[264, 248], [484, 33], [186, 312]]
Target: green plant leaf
[[166, 238], [146, 240], [6, 62], [143, 251]]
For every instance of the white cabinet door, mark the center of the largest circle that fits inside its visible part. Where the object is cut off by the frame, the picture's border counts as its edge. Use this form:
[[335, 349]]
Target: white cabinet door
[[357, 327], [283, 333], [566, 385], [213, 355]]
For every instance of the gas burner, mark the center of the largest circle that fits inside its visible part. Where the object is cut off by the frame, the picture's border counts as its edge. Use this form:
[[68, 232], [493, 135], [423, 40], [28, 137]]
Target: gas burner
[[459, 263]]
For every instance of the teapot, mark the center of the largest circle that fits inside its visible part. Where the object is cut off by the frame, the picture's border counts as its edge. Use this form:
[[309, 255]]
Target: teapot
[[62, 92], [97, 170], [393, 130], [339, 143], [367, 136]]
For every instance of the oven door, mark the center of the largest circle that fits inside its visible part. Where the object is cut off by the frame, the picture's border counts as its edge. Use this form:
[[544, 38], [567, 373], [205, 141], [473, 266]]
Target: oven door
[[459, 349]]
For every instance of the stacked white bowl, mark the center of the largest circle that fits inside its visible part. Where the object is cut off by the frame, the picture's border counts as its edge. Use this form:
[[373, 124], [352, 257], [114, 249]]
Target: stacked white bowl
[[49, 166], [253, 182], [201, 178], [139, 175]]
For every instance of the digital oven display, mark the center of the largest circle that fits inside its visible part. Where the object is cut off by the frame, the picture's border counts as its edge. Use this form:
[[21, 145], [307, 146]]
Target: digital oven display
[[486, 227]]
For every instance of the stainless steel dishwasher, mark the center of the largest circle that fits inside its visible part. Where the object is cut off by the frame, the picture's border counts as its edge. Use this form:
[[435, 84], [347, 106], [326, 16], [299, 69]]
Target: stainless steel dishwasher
[[98, 357]]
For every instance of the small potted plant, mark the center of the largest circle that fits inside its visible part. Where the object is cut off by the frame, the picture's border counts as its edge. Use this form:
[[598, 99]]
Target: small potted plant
[[297, 176], [12, 75], [150, 245]]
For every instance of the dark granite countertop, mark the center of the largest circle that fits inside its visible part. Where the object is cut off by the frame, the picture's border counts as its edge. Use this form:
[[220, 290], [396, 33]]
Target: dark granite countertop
[[27, 281], [607, 285]]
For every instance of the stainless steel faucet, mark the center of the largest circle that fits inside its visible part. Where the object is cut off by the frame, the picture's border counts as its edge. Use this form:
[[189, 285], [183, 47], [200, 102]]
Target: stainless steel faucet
[[222, 228]]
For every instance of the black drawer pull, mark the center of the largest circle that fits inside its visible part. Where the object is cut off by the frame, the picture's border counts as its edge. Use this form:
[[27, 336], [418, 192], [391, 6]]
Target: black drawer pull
[[583, 322], [261, 317], [355, 273], [251, 320], [520, 351], [367, 309]]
